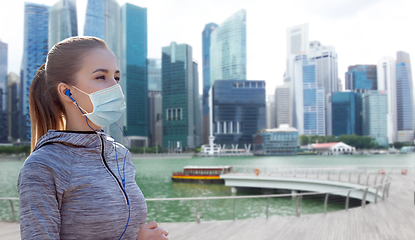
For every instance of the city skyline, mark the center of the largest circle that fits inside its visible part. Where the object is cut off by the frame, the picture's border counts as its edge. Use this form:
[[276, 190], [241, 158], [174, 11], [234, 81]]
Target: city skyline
[[355, 29]]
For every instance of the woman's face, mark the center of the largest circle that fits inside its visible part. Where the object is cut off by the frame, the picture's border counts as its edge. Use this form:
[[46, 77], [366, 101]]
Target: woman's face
[[99, 71]]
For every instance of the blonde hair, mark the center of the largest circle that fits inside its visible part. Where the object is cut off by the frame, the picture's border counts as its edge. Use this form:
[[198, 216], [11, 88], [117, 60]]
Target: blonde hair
[[64, 60]]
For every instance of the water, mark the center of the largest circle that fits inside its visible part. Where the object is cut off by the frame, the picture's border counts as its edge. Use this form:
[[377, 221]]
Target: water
[[154, 178]]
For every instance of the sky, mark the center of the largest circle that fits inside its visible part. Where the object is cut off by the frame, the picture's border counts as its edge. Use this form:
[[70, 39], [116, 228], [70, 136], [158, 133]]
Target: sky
[[362, 31]]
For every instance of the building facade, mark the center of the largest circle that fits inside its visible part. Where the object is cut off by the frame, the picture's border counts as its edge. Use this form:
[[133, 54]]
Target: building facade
[[154, 74], [134, 70], [155, 118], [276, 142], [63, 21], [375, 122], [297, 44], [309, 105], [361, 77], [343, 113], [228, 49], [282, 104], [178, 96], [386, 74], [207, 31], [36, 25], [239, 112], [13, 121], [197, 130], [404, 101]]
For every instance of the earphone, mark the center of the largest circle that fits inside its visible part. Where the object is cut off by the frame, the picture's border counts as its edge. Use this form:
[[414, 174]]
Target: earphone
[[69, 94]]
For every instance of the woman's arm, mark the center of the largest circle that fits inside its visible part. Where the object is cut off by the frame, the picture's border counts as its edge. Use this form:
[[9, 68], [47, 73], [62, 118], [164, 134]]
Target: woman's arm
[[39, 207]]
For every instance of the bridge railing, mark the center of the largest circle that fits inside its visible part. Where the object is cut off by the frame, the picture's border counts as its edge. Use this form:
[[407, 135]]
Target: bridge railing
[[377, 182]]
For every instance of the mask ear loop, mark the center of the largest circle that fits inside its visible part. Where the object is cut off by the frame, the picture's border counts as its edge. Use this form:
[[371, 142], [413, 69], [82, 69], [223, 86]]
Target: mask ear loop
[[68, 93]]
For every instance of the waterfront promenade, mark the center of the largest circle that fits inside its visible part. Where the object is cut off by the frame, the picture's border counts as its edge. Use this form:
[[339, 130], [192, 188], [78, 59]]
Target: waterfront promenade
[[392, 219]]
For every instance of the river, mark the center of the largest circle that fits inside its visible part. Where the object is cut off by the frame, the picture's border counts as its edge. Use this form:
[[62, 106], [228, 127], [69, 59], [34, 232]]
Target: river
[[154, 178]]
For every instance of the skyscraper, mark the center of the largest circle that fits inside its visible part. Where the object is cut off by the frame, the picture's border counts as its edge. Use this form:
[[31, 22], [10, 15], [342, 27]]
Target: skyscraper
[[309, 106], [343, 113], [297, 44], [134, 70], [361, 77], [209, 28], [386, 74], [154, 74], [13, 107], [155, 118], [325, 58], [404, 94], [102, 20], [63, 21], [375, 108], [228, 49], [35, 50], [282, 104], [239, 111], [196, 106], [178, 96], [326, 66]]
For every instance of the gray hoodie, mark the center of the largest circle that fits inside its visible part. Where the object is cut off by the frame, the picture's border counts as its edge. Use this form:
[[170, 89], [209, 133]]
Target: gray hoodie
[[70, 188]]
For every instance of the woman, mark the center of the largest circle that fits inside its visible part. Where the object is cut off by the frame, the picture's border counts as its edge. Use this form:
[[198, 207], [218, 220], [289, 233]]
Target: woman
[[78, 183]]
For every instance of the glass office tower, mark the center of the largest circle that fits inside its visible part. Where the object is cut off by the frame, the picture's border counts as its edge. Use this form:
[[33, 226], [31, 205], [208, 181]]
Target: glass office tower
[[309, 99], [359, 77], [404, 101], [238, 111], [102, 20], [386, 75], [178, 102], [62, 21], [134, 69], [228, 49], [343, 113], [35, 50], [13, 107], [209, 28], [375, 108]]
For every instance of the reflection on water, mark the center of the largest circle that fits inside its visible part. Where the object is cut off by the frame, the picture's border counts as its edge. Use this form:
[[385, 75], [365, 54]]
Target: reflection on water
[[154, 178]]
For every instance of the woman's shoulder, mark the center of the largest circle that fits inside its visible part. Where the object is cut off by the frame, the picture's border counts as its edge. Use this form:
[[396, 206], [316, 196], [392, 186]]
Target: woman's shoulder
[[49, 156]]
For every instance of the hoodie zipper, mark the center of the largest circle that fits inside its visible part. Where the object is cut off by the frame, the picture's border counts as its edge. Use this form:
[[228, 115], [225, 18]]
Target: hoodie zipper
[[106, 165]]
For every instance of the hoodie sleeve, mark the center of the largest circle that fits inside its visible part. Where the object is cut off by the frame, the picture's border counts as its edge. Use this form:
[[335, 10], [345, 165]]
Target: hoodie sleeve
[[39, 201]]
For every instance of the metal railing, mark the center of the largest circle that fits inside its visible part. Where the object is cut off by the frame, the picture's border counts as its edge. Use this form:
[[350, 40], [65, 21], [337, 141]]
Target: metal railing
[[367, 181]]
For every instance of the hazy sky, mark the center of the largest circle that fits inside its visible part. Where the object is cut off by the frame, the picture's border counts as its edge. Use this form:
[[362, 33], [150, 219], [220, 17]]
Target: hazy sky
[[362, 31]]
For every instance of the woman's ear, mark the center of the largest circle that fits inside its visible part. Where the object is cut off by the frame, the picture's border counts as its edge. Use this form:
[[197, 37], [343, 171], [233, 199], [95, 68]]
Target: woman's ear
[[65, 93]]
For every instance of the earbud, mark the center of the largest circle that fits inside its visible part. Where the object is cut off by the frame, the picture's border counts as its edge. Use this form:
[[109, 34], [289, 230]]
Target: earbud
[[69, 94]]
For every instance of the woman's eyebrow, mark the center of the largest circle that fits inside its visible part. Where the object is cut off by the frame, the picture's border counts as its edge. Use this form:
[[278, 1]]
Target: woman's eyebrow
[[101, 70]]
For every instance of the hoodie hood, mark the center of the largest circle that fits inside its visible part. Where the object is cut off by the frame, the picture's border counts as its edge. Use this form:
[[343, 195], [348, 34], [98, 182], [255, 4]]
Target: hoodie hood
[[88, 141]]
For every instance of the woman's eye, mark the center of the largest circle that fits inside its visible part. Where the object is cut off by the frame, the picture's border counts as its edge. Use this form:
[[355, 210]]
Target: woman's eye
[[101, 77], [117, 79]]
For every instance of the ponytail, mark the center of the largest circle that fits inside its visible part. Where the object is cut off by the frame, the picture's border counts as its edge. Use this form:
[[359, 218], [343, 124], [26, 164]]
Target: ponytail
[[46, 111]]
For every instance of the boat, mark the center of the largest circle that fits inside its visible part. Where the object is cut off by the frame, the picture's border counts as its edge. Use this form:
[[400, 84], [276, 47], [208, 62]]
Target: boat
[[201, 174]]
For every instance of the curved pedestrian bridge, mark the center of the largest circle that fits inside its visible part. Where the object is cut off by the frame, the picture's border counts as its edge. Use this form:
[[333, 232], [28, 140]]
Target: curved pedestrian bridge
[[351, 182]]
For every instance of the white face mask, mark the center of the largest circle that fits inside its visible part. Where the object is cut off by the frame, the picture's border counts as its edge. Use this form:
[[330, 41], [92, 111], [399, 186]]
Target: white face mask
[[108, 105]]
